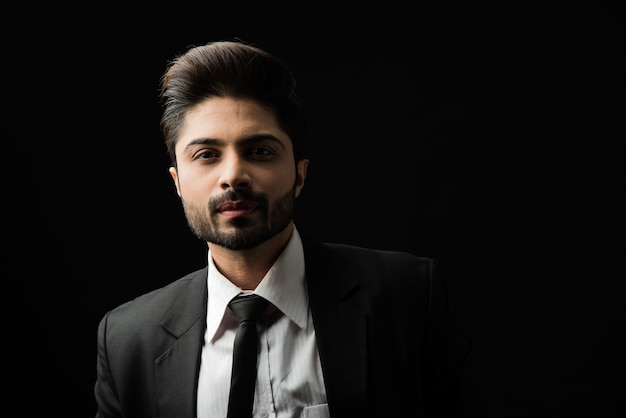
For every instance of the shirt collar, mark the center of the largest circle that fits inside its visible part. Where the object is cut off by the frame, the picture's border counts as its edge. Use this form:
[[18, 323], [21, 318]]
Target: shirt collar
[[283, 285]]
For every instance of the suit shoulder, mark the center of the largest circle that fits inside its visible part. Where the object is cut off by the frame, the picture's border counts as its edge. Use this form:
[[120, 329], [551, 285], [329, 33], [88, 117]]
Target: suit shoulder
[[371, 256], [368, 264], [150, 306]]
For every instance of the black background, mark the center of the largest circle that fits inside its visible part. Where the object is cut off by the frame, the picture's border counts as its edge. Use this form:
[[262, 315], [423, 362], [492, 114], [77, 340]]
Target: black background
[[483, 134]]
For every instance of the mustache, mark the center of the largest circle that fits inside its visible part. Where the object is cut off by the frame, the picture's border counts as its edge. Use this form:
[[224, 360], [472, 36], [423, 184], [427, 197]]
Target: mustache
[[233, 195]]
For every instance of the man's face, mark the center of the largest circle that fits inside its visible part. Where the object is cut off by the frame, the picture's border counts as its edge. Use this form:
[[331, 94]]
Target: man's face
[[236, 173]]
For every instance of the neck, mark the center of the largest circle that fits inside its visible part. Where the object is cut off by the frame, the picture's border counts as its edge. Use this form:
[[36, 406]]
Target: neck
[[246, 268]]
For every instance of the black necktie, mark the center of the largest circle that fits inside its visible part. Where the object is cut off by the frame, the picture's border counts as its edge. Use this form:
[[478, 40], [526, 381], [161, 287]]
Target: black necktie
[[241, 398]]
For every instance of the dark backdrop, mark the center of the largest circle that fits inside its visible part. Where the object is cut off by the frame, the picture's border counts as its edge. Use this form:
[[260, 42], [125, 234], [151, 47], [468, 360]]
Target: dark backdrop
[[474, 132]]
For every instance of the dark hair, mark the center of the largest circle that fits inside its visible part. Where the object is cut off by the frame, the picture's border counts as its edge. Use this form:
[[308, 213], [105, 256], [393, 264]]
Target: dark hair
[[235, 69]]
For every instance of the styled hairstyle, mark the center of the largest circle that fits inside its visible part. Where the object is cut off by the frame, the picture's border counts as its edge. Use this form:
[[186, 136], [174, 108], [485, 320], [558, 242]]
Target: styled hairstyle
[[229, 69]]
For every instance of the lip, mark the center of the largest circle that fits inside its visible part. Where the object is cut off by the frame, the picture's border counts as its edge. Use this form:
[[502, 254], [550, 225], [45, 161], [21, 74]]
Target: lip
[[233, 209]]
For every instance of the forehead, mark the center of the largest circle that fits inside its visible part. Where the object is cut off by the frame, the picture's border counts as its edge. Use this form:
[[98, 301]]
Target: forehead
[[228, 118]]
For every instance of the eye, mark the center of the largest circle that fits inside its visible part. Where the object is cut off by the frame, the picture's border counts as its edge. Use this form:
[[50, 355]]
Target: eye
[[261, 152], [205, 154]]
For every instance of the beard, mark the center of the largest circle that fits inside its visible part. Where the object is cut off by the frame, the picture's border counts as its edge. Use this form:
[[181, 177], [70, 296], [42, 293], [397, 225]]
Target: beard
[[247, 233]]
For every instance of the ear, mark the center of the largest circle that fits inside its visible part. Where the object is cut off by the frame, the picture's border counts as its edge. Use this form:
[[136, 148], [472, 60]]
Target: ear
[[174, 175], [301, 169]]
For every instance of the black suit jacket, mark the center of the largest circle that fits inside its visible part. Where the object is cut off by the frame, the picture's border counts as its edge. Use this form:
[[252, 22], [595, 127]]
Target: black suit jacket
[[387, 342]]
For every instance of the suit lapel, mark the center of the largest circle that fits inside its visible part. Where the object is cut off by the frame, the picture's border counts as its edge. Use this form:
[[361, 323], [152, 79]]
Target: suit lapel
[[177, 368], [340, 321]]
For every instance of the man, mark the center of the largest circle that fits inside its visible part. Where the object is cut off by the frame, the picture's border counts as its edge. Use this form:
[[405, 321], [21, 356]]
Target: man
[[349, 332]]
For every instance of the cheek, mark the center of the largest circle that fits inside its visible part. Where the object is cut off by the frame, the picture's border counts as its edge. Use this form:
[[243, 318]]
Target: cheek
[[276, 184], [193, 184]]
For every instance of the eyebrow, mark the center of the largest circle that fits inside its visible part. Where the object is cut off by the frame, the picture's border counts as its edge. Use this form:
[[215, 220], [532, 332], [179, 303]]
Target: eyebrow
[[246, 140]]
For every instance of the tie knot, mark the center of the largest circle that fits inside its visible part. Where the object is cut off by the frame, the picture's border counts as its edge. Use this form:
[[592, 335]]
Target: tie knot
[[248, 307]]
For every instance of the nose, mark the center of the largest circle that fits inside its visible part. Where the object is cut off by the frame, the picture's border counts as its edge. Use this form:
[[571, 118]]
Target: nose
[[235, 174]]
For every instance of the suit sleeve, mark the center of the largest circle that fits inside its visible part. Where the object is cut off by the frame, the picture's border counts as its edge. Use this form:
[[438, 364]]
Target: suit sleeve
[[105, 391], [447, 351]]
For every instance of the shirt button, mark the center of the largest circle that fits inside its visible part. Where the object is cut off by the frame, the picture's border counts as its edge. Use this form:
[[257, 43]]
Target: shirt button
[[264, 414]]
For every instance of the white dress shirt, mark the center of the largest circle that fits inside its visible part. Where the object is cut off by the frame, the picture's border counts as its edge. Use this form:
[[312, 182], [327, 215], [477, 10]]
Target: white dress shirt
[[289, 378]]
